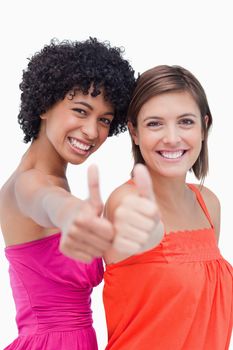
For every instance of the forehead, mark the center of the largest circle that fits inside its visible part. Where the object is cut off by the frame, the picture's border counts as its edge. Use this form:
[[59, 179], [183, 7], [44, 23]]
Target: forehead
[[76, 96], [170, 104]]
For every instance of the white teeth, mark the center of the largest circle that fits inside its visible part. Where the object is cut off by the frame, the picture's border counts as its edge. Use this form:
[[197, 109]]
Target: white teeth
[[171, 155], [79, 145]]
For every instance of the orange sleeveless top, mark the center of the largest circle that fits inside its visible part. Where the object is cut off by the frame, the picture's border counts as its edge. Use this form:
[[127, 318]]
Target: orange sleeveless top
[[176, 296]]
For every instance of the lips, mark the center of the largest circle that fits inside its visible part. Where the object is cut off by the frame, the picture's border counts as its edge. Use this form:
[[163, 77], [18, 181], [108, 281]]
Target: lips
[[78, 145]]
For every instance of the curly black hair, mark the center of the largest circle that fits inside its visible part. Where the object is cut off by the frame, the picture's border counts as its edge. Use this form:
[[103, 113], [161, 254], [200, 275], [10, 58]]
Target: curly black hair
[[62, 66]]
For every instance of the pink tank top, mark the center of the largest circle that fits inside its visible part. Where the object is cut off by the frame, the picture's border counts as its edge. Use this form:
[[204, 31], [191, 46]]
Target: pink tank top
[[52, 294]]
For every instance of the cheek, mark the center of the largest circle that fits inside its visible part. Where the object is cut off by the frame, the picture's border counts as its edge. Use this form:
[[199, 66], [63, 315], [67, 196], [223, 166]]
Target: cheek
[[103, 134], [49, 129], [147, 139], [195, 141], [196, 138], [70, 123], [194, 135], [56, 130]]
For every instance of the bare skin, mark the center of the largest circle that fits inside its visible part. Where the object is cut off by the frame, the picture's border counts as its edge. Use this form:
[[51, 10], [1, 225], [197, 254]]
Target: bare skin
[[169, 135], [135, 216], [36, 201]]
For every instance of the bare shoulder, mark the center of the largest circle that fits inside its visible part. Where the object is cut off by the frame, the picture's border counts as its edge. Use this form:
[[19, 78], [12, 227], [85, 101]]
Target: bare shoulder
[[17, 200], [16, 188], [23, 183], [116, 197], [214, 207], [211, 199], [32, 177]]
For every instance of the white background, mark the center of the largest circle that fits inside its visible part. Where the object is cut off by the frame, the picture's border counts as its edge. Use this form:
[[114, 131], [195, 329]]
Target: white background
[[194, 34]]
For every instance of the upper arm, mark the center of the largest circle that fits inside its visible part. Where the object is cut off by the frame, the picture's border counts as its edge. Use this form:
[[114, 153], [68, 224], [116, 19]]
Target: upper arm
[[214, 209], [30, 188], [111, 205], [116, 198]]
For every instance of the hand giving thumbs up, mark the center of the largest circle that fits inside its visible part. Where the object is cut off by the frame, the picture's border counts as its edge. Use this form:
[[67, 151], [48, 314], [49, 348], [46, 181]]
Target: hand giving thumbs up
[[137, 220], [86, 233]]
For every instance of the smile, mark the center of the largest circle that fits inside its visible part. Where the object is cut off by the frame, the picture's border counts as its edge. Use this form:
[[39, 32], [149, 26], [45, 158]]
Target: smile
[[79, 145], [172, 154]]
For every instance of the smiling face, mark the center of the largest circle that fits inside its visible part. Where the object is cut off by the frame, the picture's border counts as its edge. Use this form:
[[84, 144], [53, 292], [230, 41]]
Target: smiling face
[[169, 133], [76, 127]]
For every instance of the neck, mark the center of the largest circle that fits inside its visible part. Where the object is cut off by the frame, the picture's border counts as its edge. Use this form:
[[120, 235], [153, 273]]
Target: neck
[[41, 155], [170, 192]]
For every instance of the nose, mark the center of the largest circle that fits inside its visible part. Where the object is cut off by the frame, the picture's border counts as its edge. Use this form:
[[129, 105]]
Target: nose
[[172, 135], [90, 129]]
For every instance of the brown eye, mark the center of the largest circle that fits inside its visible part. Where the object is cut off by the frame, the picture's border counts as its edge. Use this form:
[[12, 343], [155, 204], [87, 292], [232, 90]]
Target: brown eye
[[79, 110], [106, 121], [154, 123], [187, 121]]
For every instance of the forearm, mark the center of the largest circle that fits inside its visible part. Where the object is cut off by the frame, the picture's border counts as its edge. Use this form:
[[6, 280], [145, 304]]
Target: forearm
[[48, 206], [58, 204]]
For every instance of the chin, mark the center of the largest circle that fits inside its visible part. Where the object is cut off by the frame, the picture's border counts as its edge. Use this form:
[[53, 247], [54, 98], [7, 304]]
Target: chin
[[77, 161], [171, 173]]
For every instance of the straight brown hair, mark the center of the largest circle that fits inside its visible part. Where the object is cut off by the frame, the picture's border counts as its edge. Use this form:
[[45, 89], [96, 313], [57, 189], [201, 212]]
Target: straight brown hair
[[163, 79]]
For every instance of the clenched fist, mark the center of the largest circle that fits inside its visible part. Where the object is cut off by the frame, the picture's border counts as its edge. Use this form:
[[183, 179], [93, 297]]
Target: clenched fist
[[86, 234], [137, 222]]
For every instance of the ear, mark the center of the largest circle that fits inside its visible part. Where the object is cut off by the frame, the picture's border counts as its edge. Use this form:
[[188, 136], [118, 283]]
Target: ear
[[206, 118], [44, 115], [133, 132]]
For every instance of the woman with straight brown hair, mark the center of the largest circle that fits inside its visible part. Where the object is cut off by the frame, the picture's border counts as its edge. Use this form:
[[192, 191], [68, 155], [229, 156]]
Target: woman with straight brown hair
[[177, 293]]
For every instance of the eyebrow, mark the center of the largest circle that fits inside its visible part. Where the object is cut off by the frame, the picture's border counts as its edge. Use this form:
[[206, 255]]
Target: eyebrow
[[179, 116], [90, 107]]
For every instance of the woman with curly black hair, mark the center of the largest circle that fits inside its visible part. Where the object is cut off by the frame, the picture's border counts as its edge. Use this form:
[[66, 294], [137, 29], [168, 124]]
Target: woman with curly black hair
[[74, 95]]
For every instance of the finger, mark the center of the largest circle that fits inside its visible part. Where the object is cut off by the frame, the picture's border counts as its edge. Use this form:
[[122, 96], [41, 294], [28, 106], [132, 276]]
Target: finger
[[93, 185], [100, 227], [137, 220], [132, 206], [123, 245], [71, 247], [81, 256], [90, 239], [67, 249], [143, 181], [85, 248], [134, 234]]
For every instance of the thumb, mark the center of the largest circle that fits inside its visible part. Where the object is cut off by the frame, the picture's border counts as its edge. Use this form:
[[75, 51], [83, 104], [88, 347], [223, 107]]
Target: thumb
[[94, 190], [143, 182]]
